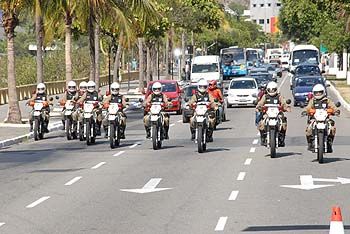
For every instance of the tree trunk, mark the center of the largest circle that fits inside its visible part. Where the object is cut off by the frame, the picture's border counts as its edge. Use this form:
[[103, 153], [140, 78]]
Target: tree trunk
[[117, 58], [183, 50], [39, 31], [14, 112], [154, 60], [141, 64], [97, 55], [166, 57], [92, 45], [68, 52], [148, 64]]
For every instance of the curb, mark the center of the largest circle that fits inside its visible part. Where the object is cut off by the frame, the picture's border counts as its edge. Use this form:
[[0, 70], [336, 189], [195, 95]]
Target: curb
[[341, 99], [20, 139]]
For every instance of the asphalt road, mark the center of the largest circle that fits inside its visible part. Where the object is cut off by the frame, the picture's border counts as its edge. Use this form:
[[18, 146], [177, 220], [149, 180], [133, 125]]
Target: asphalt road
[[56, 186]]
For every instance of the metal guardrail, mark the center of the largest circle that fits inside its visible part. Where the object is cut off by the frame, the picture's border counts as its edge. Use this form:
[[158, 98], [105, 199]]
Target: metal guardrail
[[57, 87]]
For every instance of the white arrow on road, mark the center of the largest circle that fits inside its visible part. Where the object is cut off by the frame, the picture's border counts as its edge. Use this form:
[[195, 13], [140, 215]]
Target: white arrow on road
[[307, 183], [338, 180], [150, 187]]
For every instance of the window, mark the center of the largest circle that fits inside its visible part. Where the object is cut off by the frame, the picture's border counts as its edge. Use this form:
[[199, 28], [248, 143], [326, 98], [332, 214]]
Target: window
[[261, 21], [261, 5], [254, 5], [278, 4], [254, 20], [267, 21]]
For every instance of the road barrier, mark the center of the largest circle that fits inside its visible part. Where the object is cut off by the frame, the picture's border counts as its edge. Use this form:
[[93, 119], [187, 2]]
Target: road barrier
[[57, 87], [336, 226]]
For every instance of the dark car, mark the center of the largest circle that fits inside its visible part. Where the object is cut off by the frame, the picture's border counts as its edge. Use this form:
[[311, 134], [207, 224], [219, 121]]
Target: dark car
[[305, 69], [263, 70], [187, 112], [262, 79], [303, 88]]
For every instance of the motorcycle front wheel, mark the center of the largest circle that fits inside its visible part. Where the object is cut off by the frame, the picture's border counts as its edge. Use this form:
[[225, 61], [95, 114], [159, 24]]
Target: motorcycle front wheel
[[155, 140], [36, 129], [88, 133], [273, 143], [68, 128], [320, 150], [200, 139]]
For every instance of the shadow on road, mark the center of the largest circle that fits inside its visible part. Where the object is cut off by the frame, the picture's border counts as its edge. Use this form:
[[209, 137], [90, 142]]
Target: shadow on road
[[332, 160], [57, 170], [209, 150], [285, 154], [289, 228]]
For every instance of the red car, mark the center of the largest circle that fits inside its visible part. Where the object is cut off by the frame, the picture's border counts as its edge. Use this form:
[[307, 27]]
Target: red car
[[172, 90]]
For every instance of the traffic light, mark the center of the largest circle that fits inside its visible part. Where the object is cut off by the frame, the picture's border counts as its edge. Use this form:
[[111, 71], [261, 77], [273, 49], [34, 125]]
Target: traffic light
[[190, 49]]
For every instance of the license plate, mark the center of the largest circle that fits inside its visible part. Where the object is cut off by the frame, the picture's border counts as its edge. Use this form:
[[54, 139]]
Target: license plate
[[87, 115], [242, 100], [200, 119], [68, 112], [37, 113], [272, 122], [154, 117], [111, 117], [321, 126]]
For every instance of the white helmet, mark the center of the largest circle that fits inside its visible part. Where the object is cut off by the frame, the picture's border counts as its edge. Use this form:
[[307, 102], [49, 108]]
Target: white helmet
[[83, 86], [319, 91], [157, 88], [41, 88], [202, 86], [72, 86], [115, 88], [91, 86], [271, 88]]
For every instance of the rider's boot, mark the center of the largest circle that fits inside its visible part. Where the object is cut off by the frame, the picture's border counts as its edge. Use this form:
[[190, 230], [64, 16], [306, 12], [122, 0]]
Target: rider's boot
[[98, 128], [310, 145], [210, 135], [31, 126], [148, 133], [281, 138], [122, 132], [63, 124], [45, 126], [105, 128], [166, 129], [193, 134], [262, 138], [330, 144]]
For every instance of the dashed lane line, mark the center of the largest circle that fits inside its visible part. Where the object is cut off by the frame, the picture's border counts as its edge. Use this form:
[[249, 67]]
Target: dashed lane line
[[171, 125], [118, 154], [179, 121], [134, 145], [233, 196], [248, 161], [255, 141], [37, 202], [252, 150], [2, 224], [241, 176], [72, 181], [98, 165], [220, 226]]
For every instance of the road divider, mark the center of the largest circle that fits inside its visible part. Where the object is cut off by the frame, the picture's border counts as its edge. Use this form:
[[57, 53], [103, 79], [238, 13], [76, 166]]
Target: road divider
[[37, 202], [336, 226], [72, 181], [220, 226]]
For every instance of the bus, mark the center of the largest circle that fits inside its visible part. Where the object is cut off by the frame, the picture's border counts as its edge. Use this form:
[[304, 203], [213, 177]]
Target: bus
[[233, 62], [304, 54]]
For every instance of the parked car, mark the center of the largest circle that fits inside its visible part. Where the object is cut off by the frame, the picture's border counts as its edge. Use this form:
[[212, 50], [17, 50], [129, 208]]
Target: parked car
[[242, 92], [172, 90], [305, 69], [303, 88]]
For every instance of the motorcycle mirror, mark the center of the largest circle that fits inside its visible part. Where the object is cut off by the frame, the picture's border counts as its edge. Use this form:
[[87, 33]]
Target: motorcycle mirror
[[226, 95], [140, 100], [338, 104], [126, 99], [288, 101], [51, 99], [216, 100], [26, 98], [186, 99], [57, 97]]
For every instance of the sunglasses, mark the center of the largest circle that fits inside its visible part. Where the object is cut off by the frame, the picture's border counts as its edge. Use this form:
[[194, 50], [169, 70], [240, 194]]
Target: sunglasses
[[115, 89], [157, 89], [91, 87], [41, 89], [71, 87], [203, 87]]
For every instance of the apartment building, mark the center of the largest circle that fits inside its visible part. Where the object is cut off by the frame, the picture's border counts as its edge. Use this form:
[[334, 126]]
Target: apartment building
[[265, 13]]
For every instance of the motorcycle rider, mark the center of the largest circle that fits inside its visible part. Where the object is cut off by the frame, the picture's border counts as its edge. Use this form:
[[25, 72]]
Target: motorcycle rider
[[93, 95], [320, 101], [40, 95], [216, 93], [115, 97], [156, 96], [82, 88], [272, 97], [262, 92], [70, 94], [203, 96]]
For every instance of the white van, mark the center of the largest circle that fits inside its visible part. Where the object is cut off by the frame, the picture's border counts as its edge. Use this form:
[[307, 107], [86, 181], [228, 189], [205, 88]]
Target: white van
[[304, 54], [206, 67]]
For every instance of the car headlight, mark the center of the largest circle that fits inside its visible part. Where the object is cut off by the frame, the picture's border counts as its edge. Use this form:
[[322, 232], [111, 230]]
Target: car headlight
[[242, 66]]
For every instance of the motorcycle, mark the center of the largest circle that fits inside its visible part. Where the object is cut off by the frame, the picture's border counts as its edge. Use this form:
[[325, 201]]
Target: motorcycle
[[39, 113], [114, 128], [321, 128], [202, 124], [90, 121], [71, 126], [157, 124], [273, 125]]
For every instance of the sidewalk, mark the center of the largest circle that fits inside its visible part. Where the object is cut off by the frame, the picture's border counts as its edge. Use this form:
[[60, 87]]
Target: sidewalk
[[16, 133]]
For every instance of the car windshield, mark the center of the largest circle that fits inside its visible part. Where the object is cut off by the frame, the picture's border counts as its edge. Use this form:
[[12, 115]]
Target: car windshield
[[309, 81], [166, 87], [234, 57], [305, 56], [252, 55], [307, 70], [243, 84], [203, 68]]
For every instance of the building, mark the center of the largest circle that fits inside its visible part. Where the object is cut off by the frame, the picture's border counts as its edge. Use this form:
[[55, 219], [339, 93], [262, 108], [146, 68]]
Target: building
[[265, 13]]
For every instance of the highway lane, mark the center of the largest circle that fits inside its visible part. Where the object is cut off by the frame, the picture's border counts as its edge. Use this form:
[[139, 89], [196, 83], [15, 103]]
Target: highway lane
[[56, 186]]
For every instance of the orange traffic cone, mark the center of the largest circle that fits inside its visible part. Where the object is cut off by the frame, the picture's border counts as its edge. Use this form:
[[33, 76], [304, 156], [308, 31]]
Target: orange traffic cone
[[336, 226]]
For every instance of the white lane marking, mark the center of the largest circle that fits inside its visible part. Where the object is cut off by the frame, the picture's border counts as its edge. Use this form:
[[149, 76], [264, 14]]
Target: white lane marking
[[171, 125], [255, 141], [241, 176], [248, 161], [1, 224], [149, 187], [179, 121], [98, 165], [134, 145], [233, 195], [118, 154], [220, 226], [252, 150], [72, 181], [37, 202]]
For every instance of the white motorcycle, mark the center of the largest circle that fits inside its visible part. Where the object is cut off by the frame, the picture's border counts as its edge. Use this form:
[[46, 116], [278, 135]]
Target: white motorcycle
[[157, 124], [71, 126], [90, 121], [202, 124], [39, 113], [114, 128]]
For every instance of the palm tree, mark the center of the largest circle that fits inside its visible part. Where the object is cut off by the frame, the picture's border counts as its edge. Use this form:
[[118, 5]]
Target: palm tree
[[11, 9], [39, 31]]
